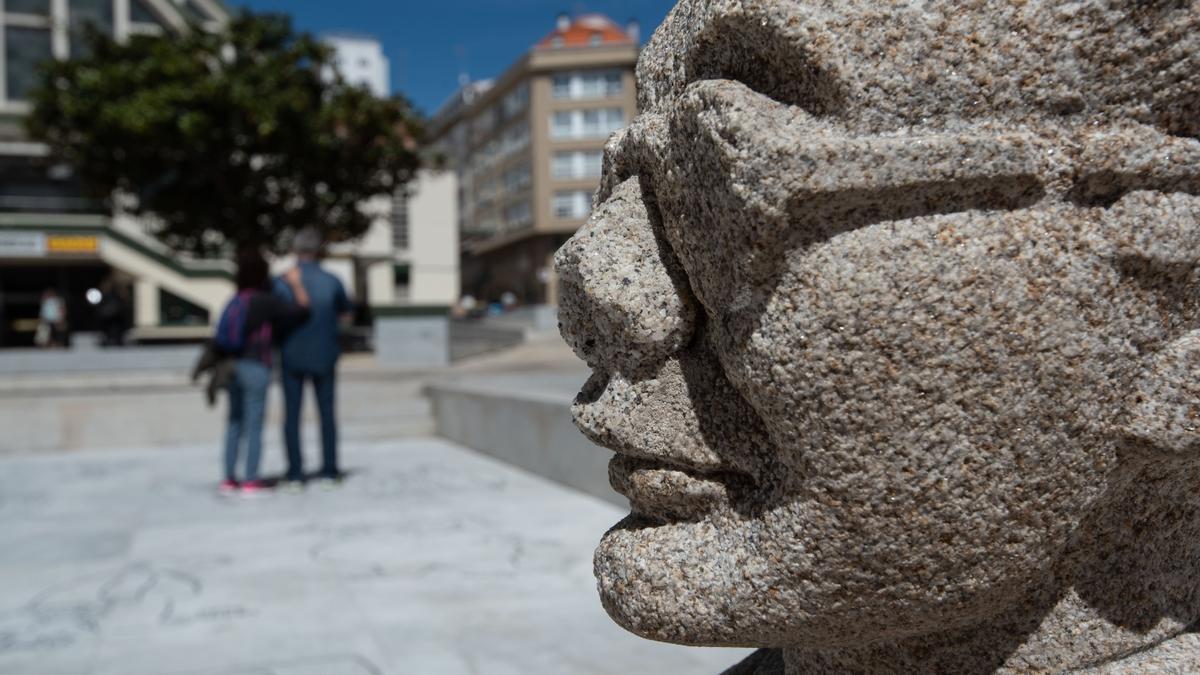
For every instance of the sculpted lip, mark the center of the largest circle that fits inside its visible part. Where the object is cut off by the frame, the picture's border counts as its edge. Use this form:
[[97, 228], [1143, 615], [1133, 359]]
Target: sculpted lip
[[663, 481], [664, 491]]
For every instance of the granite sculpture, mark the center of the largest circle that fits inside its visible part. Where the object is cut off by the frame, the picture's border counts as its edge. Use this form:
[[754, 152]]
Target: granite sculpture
[[892, 311]]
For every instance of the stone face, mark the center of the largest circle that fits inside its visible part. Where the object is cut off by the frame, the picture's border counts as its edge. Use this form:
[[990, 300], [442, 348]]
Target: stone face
[[891, 313]]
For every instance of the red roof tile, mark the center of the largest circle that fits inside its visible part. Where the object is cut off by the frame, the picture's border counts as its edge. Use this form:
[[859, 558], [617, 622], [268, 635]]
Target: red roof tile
[[582, 30]]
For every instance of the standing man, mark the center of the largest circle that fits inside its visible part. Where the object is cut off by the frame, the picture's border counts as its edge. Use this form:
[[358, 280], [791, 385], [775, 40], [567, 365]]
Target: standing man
[[311, 353]]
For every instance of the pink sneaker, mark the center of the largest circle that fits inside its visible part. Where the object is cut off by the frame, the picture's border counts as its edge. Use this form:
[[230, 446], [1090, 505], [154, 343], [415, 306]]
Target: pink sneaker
[[228, 487], [255, 488]]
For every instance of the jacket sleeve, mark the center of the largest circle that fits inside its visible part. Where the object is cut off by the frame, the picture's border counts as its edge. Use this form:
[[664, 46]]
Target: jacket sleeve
[[284, 314]]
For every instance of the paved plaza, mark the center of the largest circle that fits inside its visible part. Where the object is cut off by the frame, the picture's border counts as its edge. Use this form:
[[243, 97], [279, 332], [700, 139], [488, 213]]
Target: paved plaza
[[429, 559]]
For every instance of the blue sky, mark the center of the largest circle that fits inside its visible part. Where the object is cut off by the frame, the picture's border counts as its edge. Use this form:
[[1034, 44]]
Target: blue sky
[[429, 43]]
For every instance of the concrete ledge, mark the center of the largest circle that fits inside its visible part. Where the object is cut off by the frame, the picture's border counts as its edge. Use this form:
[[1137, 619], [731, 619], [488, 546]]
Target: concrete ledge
[[93, 359], [525, 421]]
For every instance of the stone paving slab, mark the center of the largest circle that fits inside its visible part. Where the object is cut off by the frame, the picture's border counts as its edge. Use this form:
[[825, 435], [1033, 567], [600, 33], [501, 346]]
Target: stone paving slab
[[429, 559]]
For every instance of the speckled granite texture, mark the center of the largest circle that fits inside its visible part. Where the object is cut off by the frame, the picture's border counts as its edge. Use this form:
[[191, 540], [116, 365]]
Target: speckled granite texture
[[892, 313]]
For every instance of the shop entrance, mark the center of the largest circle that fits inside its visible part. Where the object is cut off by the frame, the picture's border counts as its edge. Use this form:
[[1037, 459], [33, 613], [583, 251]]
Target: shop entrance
[[22, 284]]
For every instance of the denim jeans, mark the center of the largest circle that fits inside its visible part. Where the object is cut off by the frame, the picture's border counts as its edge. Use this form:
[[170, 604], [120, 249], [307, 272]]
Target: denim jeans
[[324, 385], [247, 407]]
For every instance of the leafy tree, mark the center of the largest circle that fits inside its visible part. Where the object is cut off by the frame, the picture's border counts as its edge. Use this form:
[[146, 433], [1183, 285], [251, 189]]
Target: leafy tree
[[229, 139]]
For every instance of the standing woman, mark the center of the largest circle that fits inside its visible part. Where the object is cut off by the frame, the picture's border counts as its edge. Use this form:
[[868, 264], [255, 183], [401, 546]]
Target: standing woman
[[246, 332]]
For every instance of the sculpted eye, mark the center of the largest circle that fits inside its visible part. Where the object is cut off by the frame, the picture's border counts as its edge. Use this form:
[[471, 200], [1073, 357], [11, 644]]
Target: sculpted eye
[[771, 178], [751, 48]]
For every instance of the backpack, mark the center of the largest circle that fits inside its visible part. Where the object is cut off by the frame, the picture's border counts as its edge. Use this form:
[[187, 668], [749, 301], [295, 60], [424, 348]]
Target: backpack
[[231, 334]]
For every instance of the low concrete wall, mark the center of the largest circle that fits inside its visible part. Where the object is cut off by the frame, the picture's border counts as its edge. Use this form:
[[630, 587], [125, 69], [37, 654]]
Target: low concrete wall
[[525, 421], [417, 342]]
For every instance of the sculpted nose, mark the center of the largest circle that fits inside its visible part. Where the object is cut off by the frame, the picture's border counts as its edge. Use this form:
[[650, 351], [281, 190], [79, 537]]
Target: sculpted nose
[[625, 304]]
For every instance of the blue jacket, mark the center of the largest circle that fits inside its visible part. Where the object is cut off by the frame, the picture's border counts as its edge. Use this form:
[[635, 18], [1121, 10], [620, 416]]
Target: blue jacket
[[313, 347]]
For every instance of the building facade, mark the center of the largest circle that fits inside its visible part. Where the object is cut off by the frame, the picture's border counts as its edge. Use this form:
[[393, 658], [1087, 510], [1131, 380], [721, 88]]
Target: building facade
[[361, 61], [528, 148], [409, 257], [51, 236]]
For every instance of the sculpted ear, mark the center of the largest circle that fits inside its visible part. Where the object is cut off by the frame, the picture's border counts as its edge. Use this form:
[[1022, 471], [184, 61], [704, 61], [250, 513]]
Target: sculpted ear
[[1166, 407]]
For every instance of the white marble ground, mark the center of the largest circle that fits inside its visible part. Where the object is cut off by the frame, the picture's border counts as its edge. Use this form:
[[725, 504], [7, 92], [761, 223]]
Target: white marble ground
[[430, 559]]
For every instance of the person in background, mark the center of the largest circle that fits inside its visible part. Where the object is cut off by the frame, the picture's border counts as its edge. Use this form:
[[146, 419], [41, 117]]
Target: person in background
[[52, 321], [310, 353], [246, 332], [112, 313]]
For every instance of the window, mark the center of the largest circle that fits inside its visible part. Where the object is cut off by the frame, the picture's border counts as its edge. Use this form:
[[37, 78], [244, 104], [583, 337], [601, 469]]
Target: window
[[143, 20], [400, 220], [24, 49], [564, 203], [562, 125], [518, 215], [595, 123], [572, 204], [191, 11], [487, 225], [28, 185], [613, 120], [613, 82], [579, 85], [176, 311], [515, 139], [37, 7], [591, 85], [402, 275], [577, 164], [563, 165], [140, 13], [483, 125], [515, 101], [96, 13], [562, 85], [36, 31], [593, 164], [485, 194], [518, 178]]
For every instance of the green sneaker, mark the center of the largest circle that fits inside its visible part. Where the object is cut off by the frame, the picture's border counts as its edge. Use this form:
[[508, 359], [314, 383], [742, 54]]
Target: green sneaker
[[291, 487], [328, 483]]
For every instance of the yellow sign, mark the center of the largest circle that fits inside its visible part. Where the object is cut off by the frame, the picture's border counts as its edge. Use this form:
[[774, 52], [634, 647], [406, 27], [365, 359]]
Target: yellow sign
[[61, 244]]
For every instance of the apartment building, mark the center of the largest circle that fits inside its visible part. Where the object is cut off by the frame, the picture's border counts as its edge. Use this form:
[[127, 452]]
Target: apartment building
[[528, 148]]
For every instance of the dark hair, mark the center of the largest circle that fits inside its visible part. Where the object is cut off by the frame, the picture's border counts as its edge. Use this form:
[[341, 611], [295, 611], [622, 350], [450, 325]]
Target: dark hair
[[252, 271]]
